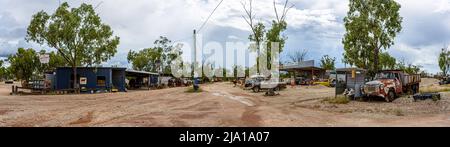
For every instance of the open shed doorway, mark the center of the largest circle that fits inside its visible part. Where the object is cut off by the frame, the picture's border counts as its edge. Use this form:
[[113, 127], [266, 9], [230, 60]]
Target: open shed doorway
[[141, 80]]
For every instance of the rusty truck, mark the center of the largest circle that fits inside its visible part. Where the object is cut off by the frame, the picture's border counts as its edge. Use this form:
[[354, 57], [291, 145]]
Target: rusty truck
[[390, 84]]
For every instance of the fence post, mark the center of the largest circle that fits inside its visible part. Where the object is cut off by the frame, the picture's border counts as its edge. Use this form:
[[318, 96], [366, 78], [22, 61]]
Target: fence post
[[12, 90]]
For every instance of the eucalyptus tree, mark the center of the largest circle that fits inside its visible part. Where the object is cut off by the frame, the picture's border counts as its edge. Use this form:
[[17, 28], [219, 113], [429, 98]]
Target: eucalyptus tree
[[78, 35]]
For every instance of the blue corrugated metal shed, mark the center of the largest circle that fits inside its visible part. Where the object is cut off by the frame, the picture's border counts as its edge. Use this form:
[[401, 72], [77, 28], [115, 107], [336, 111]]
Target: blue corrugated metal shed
[[98, 78]]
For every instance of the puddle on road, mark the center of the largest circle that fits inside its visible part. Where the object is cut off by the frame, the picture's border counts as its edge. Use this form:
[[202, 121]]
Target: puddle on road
[[240, 99]]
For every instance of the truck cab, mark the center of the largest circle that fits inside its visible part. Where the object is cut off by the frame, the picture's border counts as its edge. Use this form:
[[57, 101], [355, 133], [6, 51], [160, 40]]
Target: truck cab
[[391, 84]]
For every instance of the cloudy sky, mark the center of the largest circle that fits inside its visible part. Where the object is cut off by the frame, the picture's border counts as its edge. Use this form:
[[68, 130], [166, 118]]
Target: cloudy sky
[[314, 25]]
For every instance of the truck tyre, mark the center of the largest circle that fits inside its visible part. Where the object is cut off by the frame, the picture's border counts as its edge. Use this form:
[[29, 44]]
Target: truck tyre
[[270, 92], [256, 89], [390, 97], [277, 89]]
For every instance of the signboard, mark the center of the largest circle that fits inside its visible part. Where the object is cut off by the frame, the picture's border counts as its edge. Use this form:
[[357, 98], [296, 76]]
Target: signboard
[[83, 80], [44, 58], [353, 74]]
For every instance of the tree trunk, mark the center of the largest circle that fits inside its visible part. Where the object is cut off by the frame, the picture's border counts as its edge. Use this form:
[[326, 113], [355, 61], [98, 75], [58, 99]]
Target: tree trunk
[[375, 60], [258, 56], [75, 85]]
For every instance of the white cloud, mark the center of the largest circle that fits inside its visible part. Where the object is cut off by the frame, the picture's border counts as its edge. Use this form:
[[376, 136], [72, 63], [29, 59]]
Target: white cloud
[[443, 6], [231, 12], [425, 32], [426, 56]]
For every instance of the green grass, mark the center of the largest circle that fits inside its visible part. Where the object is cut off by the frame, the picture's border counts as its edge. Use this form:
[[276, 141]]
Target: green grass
[[434, 89], [191, 90], [399, 112], [339, 100]]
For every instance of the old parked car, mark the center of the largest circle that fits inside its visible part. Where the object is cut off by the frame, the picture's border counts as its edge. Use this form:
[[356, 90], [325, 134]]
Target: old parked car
[[254, 83], [260, 83], [303, 81], [445, 81], [272, 86], [390, 84], [328, 82]]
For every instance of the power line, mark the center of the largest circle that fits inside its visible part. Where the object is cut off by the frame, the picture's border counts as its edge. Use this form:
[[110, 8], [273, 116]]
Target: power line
[[204, 23], [98, 5]]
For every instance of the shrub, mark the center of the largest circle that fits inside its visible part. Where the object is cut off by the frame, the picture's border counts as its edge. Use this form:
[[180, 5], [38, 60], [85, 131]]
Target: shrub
[[399, 112], [434, 89], [191, 90]]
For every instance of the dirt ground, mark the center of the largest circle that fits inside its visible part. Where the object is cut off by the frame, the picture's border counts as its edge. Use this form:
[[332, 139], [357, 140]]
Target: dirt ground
[[219, 105]]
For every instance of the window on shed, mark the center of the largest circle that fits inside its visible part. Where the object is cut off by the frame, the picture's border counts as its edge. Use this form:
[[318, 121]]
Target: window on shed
[[101, 81]]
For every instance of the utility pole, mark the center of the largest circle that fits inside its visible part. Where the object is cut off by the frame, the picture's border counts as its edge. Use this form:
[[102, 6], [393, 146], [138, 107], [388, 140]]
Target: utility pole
[[194, 62]]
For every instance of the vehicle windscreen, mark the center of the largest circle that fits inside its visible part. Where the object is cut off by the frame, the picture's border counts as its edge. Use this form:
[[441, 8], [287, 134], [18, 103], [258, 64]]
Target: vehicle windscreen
[[385, 76]]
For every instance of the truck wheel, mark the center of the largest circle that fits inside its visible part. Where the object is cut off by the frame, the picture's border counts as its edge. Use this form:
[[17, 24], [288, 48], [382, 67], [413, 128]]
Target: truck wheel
[[256, 89], [390, 97], [271, 92], [277, 89]]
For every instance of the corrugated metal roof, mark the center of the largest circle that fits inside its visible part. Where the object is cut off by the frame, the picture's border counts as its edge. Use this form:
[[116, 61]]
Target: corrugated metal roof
[[83, 67], [350, 69], [301, 65], [140, 72]]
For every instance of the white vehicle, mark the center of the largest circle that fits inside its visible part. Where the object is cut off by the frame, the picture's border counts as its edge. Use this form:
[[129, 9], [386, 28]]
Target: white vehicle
[[272, 83], [272, 86]]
